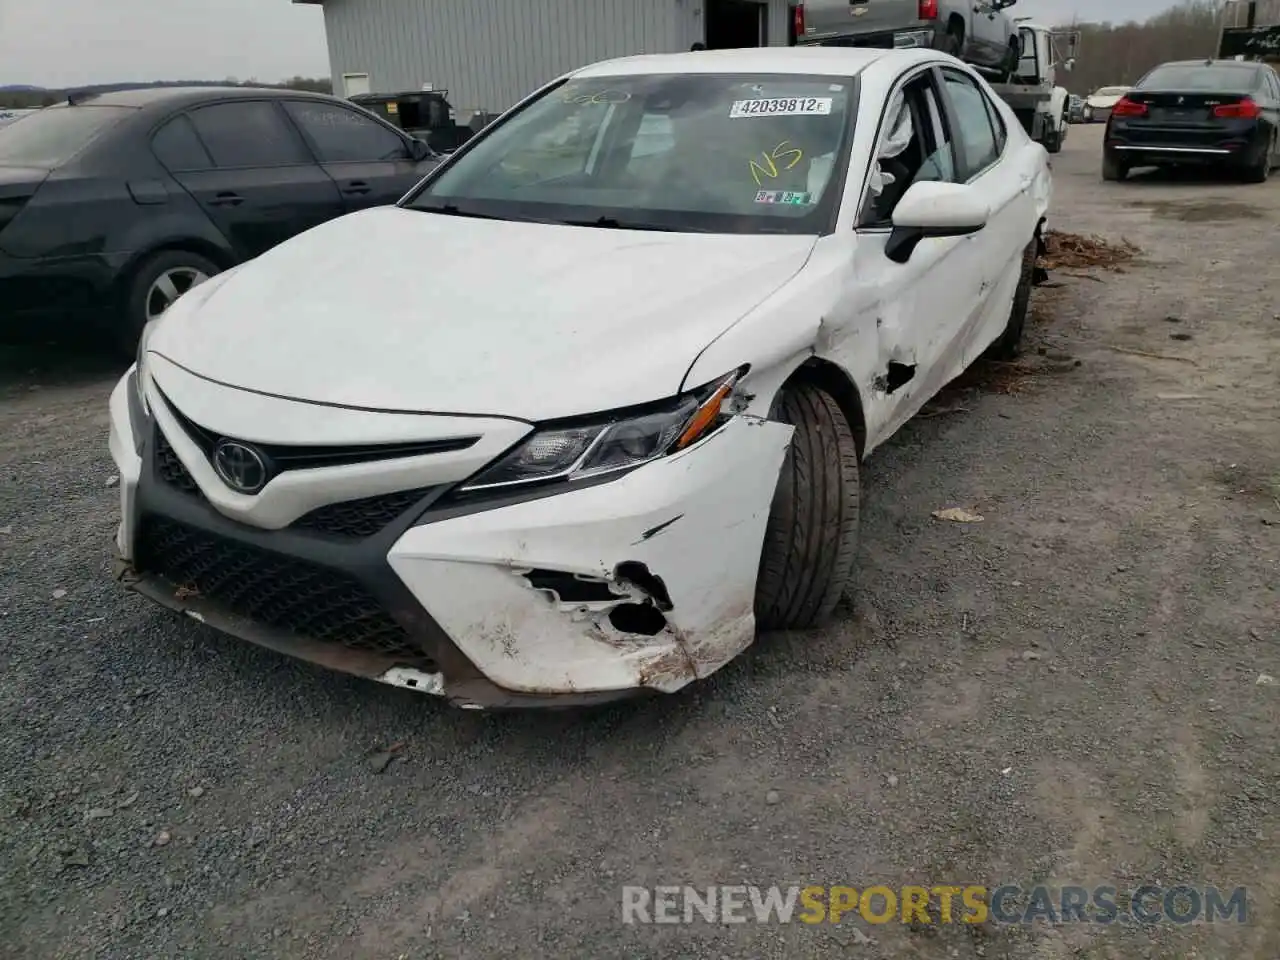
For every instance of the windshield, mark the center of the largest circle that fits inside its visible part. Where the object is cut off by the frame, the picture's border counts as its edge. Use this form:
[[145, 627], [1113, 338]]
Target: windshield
[[1209, 79], [692, 152], [50, 137], [1111, 92]]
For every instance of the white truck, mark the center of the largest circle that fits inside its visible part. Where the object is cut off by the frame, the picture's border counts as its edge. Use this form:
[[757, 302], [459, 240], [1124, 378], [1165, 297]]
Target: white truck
[[1033, 91], [1030, 88]]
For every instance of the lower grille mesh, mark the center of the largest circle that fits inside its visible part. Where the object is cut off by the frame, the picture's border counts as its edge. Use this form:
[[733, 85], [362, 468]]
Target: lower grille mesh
[[356, 519], [312, 601]]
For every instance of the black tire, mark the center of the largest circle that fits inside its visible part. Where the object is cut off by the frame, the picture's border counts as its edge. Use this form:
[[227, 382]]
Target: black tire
[[134, 305], [1260, 172], [1009, 343], [1053, 142], [1113, 168], [953, 42], [1011, 59], [812, 534]]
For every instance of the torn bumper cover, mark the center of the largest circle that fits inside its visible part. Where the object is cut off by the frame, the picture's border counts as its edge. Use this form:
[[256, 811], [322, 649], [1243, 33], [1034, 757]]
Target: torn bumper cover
[[642, 583]]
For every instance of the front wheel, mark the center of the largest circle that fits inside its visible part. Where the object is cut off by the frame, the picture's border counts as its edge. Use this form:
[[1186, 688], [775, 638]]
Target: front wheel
[[1009, 344], [807, 559], [1053, 141]]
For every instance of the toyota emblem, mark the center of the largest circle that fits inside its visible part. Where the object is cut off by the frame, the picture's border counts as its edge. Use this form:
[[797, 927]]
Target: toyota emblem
[[240, 467]]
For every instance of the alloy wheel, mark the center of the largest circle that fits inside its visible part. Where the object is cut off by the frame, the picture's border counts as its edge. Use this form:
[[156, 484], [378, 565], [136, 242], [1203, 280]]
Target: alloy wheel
[[169, 286]]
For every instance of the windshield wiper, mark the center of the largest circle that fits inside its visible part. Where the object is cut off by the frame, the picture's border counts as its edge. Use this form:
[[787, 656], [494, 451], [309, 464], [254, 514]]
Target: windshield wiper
[[453, 210], [613, 223]]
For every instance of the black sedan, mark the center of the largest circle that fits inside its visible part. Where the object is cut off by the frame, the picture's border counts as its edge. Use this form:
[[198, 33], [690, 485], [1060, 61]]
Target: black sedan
[[112, 206], [1224, 113]]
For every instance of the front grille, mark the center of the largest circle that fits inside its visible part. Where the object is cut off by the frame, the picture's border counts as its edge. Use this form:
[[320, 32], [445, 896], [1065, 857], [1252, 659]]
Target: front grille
[[355, 519], [350, 519], [171, 470], [280, 591]]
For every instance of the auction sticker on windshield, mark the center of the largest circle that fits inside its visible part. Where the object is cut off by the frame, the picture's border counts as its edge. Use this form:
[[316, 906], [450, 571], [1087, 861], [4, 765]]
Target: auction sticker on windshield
[[781, 107]]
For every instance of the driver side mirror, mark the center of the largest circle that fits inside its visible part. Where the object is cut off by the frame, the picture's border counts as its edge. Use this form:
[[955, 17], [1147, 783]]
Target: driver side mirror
[[420, 150], [931, 209]]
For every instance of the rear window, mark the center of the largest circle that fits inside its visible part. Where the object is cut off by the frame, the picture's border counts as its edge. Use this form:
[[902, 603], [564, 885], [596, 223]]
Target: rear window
[[51, 137], [1216, 79]]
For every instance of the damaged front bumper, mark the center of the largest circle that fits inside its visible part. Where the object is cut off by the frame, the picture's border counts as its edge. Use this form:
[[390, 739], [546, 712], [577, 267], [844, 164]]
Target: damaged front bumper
[[642, 583]]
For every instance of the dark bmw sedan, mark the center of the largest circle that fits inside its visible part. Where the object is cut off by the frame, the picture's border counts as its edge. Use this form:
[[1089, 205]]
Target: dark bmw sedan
[[1218, 112], [112, 206]]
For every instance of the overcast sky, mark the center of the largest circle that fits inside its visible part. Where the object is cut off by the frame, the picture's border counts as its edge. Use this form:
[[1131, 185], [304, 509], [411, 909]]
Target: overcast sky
[[60, 43]]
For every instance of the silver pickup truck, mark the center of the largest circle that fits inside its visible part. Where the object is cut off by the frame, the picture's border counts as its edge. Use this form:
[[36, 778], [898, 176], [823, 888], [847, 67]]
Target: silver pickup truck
[[977, 31]]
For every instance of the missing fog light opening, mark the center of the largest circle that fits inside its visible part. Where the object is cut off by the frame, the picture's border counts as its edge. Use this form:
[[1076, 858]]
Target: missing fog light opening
[[639, 618], [636, 573]]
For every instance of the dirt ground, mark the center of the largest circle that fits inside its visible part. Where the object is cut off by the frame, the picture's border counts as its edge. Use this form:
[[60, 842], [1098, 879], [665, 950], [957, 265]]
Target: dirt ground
[[1065, 693]]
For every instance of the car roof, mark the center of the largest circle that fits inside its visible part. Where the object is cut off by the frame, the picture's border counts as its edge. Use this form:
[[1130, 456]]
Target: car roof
[[1244, 64], [144, 97], [825, 61]]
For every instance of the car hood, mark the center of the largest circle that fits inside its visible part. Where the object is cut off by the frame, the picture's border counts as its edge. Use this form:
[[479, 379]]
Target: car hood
[[396, 309], [1108, 101]]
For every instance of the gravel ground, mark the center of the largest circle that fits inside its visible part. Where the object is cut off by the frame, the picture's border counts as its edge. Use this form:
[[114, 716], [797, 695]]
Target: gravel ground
[[1063, 693]]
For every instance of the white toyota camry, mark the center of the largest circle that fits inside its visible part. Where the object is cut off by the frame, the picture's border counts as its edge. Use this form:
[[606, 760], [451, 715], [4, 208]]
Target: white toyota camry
[[587, 407]]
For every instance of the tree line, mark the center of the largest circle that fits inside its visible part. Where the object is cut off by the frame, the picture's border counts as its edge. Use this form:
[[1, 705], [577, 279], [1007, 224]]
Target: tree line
[[21, 98], [1115, 54]]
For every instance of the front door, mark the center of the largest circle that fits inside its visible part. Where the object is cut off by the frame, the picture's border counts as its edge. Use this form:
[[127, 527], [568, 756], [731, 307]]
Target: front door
[[903, 322], [263, 186], [370, 161]]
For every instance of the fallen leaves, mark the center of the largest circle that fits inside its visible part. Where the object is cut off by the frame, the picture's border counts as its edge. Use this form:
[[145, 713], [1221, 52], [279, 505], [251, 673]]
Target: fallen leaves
[[1073, 250]]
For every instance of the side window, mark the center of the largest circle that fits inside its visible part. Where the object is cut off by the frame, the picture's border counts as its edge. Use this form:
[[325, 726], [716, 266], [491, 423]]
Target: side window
[[940, 164], [912, 147], [340, 135], [973, 132], [248, 134], [178, 148], [1273, 84]]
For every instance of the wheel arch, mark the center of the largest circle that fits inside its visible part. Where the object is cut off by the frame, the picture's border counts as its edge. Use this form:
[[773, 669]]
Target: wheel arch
[[202, 248], [834, 380]]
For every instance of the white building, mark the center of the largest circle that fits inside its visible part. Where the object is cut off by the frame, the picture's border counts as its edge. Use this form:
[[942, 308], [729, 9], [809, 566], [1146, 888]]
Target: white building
[[490, 53]]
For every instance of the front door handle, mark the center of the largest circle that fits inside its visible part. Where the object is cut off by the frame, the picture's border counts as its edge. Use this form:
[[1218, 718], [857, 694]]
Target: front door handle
[[357, 187], [227, 199]]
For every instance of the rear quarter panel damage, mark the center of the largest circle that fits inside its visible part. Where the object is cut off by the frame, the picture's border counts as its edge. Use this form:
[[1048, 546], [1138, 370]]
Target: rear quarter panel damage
[[695, 521]]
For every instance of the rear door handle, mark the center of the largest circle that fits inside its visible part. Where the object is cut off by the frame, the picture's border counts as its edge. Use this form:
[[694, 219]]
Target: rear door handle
[[227, 199], [357, 187]]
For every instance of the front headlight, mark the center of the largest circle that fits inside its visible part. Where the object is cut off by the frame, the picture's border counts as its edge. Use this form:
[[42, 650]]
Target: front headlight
[[141, 373], [610, 443]]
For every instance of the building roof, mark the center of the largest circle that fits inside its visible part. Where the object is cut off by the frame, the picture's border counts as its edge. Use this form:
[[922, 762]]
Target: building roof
[[832, 61]]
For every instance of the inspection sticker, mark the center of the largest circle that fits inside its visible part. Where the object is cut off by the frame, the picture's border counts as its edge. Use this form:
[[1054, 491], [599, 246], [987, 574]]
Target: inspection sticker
[[783, 196], [781, 107]]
